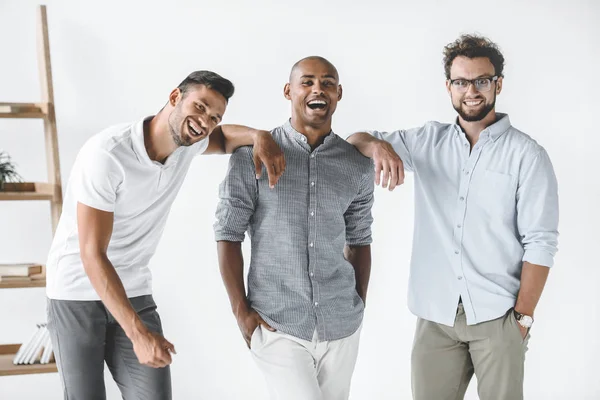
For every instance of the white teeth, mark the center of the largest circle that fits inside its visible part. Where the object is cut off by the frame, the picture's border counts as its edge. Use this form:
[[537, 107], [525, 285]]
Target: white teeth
[[472, 103], [194, 131], [317, 102]]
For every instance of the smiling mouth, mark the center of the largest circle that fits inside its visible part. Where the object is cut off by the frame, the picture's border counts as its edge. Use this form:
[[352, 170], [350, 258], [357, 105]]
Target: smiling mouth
[[194, 129], [317, 104], [473, 103]]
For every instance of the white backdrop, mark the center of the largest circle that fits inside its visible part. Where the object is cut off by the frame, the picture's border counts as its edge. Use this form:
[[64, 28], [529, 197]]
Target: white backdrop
[[116, 61]]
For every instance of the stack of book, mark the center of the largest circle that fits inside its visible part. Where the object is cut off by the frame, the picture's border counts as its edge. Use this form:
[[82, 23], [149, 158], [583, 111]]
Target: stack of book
[[38, 349], [19, 273]]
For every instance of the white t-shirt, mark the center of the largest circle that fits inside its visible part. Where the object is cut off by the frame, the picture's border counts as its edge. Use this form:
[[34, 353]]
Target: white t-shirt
[[113, 173]]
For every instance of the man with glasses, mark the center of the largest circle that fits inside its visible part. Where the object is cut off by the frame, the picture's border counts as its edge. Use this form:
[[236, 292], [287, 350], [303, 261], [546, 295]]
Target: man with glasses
[[485, 231]]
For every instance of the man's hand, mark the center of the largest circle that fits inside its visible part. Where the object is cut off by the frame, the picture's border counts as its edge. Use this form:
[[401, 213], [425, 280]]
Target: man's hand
[[387, 161], [267, 152], [248, 321], [153, 349]]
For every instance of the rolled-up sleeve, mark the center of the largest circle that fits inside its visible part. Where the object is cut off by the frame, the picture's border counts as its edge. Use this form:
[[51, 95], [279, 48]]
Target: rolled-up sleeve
[[399, 141], [237, 197], [537, 210], [358, 216]]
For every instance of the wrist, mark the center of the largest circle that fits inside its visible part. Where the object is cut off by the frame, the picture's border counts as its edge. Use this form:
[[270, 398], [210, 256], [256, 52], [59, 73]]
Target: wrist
[[256, 134], [524, 320], [136, 330], [240, 308]]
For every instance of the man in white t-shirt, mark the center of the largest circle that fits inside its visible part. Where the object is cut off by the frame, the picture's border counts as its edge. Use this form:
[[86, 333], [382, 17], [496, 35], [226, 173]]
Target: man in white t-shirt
[[121, 188]]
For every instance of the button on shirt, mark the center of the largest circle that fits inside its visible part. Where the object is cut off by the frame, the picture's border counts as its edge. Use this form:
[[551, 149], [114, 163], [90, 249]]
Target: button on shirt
[[298, 279], [479, 214]]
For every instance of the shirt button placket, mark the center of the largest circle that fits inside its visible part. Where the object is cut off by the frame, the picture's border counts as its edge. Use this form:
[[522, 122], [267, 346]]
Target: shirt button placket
[[312, 224]]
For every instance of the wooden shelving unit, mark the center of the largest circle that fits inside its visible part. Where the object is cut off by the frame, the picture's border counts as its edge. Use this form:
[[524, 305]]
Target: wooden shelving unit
[[7, 353], [48, 191]]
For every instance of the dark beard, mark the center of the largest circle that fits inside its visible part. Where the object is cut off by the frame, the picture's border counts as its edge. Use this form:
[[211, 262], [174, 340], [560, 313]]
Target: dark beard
[[175, 134], [476, 117]]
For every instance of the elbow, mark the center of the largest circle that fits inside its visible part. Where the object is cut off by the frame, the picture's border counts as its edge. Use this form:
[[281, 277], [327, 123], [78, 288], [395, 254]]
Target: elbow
[[91, 257]]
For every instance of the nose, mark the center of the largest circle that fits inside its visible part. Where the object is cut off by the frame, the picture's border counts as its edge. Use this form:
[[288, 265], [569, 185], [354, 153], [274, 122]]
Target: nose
[[472, 90], [204, 124], [316, 88]]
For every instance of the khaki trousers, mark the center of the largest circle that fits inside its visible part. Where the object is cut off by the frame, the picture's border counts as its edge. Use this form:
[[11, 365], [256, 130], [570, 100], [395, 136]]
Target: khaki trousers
[[445, 358]]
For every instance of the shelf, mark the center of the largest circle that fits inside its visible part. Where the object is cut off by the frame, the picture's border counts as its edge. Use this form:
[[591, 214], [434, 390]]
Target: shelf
[[23, 110], [7, 353], [33, 191], [33, 283]]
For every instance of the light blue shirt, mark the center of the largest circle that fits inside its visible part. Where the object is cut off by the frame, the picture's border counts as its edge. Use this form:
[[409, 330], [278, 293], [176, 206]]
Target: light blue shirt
[[478, 216]]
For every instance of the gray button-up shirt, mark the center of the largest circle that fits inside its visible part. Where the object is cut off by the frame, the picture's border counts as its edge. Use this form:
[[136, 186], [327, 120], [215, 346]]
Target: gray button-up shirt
[[478, 215], [298, 279]]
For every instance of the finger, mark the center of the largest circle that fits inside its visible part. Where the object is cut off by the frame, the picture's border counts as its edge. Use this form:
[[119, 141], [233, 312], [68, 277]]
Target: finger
[[272, 175], [282, 163], [170, 346], [257, 166], [163, 358], [386, 174], [401, 172], [393, 179], [377, 172], [269, 327]]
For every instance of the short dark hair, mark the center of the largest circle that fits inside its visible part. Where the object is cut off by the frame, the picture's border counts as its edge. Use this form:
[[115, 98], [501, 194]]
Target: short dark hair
[[472, 46], [209, 79]]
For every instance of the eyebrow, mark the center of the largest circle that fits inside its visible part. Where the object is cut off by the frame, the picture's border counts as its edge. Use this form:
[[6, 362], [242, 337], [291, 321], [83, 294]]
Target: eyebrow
[[324, 76], [477, 77], [202, 100]]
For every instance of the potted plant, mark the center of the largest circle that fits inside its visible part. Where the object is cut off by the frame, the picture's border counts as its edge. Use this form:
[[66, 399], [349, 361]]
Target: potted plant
[[8, 172]]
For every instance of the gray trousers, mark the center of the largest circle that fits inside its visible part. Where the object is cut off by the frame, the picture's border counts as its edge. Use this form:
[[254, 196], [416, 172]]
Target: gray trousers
[[85, 336], [444, 359]]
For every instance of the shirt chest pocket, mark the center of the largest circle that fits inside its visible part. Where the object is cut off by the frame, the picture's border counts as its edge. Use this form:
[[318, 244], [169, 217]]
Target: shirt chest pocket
[[494, 193]]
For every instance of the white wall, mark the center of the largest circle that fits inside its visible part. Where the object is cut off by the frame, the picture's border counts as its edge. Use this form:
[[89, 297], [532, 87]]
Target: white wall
[[116, 61]]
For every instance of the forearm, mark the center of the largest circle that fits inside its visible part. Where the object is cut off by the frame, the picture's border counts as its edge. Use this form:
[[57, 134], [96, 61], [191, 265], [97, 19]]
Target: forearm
[[363, 143], [533, 280], [231, 265], [108, 285], [225, 139], [360, 258]]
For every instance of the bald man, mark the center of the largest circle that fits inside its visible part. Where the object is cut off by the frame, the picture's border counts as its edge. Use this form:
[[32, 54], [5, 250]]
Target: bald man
[[310, 241]]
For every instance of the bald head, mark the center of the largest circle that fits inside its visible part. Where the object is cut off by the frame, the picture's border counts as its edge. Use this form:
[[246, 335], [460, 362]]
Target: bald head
[[318, 59]]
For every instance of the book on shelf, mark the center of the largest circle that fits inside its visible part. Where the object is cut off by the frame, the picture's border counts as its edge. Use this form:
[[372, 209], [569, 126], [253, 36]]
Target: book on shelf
[[38, 349], [20, 270]]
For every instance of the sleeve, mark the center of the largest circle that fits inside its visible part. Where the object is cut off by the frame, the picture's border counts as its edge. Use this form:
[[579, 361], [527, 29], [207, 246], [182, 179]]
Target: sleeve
[[537, 210], [400, 141], [358, 216], [98, 176], [238, 194]]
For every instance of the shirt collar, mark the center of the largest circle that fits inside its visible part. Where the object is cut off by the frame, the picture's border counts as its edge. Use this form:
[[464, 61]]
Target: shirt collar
[[137, 138], [139, 146], [493, 131], [300, 138]]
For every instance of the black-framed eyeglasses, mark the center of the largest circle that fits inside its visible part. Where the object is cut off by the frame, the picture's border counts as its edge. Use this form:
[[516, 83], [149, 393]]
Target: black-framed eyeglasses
[[481, 84]]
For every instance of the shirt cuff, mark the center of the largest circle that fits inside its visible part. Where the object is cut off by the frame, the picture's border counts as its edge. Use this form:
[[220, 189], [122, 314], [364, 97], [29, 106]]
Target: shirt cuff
[[229, 237], [539, 257]]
